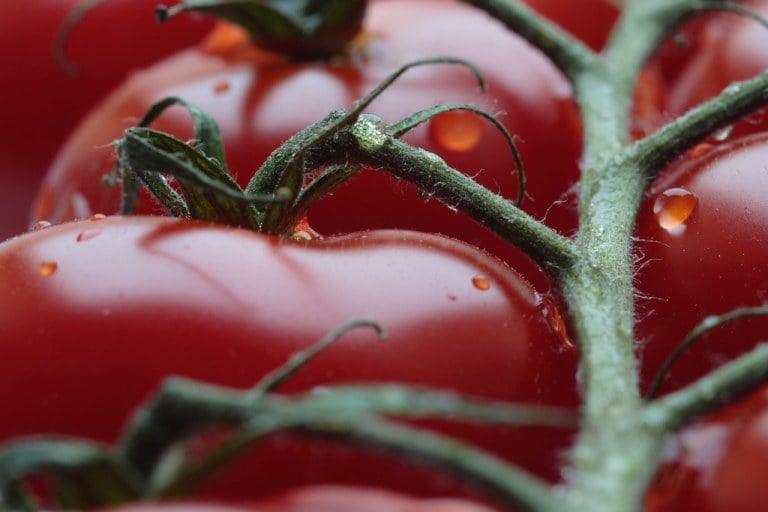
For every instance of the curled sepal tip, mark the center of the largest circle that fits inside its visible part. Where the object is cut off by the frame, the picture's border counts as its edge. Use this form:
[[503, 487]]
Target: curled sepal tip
[[272, 381]]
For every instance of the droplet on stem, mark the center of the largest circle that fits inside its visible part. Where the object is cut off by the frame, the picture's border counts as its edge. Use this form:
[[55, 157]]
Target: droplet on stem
[[723, 133]]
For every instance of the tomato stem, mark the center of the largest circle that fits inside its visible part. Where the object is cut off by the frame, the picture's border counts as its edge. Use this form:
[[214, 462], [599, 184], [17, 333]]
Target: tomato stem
[[566, 52], [300, 29]]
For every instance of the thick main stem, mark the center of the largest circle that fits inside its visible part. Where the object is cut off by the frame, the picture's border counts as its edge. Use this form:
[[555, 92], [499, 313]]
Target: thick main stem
[[612, 460], [616, 451]]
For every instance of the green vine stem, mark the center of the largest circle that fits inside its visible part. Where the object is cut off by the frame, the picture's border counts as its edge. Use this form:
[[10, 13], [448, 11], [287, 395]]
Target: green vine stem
[[183, 408], [353, 414], [369, 143], [705, 326], [615, 454], [723, 385]]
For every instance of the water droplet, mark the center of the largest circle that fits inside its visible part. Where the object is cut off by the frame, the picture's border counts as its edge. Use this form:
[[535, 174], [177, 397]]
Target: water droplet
[[481, 283], [673, 208], [97, 217], [723, 133], [41, 224], [48, 268], [700, 150], [221, 87], [87, 235], [458, 130]]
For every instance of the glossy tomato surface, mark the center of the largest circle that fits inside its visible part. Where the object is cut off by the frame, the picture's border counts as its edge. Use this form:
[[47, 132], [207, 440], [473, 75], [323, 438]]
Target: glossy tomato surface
[[725, 48], [703, 253], [718, 463], [589, 20], [43, 102], [321, 499], [94, 314], [260, 100]]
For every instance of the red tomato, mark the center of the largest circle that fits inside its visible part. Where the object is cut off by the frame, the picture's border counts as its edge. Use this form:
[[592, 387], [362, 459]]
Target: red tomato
[[260, 100], [321, 499], [94, 314], [589, 20], [718, 463], [46, 102], [726, 48], [703, 253]]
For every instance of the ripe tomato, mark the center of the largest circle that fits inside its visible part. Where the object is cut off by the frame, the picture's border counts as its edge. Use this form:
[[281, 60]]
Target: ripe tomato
[[46, 102], [321, 499], [95, 313], [703, 236], [589, 20], [726, 48], [718, 463], [260, 100]]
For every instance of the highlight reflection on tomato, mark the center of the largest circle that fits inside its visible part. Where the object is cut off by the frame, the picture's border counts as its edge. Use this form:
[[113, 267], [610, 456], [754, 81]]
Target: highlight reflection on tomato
[[106, 308]]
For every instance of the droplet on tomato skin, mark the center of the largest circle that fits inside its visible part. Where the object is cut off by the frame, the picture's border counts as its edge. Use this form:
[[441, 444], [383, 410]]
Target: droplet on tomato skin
[[88, 235], [723, 133], [221, 87], [700, 150], [96, 217], [458, 130], [41, 224], [48, 268], [673, 208], [481, 283]]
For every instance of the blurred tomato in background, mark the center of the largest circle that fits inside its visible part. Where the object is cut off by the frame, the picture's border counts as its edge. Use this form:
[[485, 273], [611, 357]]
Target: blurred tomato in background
[[42, 101]]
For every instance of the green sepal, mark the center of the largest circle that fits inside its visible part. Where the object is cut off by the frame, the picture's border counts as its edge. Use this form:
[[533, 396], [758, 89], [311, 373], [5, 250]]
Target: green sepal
[[85, 473], [211, 193], [301, 29]]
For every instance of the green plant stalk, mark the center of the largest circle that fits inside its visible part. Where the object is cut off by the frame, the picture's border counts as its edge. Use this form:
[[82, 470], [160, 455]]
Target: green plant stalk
[[616, 453], [727, 383]]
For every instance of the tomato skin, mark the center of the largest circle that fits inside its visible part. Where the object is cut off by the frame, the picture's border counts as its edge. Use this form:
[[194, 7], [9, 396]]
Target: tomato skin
[[725, 48], [260, 100], [326, 498], [589, 20], [718, 463], [46, 102], [110, 307], [714, 266]]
